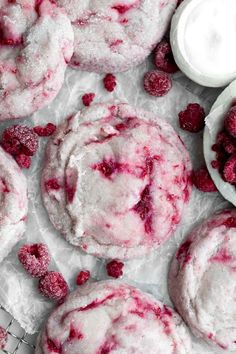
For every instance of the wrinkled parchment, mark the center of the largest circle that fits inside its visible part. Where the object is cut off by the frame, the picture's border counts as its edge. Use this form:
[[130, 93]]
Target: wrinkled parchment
[[18, 292]]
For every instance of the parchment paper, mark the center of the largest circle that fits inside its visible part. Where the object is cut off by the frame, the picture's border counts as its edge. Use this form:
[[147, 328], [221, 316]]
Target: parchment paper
[[18, 292]]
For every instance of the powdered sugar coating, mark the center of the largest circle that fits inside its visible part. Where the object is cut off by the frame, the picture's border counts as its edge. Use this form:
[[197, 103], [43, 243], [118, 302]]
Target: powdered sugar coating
[[36, 43], [202, 280], [13, 203], [115, 35], [115, 180], [112, 317]]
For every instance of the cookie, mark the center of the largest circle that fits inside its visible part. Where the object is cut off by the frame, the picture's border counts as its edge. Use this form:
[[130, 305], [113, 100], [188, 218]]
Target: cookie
[[112, 317], [114, 36], [36, 43], [202, 280], [115, 180], [13, 203]]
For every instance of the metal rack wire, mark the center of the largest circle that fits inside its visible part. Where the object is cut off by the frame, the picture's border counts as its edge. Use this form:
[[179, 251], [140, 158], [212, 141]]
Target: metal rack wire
[[19, 342]]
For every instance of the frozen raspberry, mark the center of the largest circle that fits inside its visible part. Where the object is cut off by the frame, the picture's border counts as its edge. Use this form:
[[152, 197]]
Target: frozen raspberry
[[88, 98], [192, 118], [157, 83], [230, 170], [202, 180], [83, 277], [53, 286], [3, 338], [35, 259], [163, 58], [115, 269], [47, 130], [19, 139], [109, 82], [230, 121], [23, 161]]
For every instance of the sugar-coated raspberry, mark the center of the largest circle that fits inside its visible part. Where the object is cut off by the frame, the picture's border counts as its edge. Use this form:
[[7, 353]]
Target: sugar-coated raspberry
[[35, 259], [53, 286], [230, 170], [23, 161], [3, 338], [109, 82], [82, 277], [163, 58], [46, 130], [88, 98], [230, 121], [192, 118], [52, 184], [115, 269], [157, 83], [202, 180], [19, 139]]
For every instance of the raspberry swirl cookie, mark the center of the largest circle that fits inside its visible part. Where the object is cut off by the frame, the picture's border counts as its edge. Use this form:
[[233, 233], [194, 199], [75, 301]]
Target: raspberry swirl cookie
[[202, 280], [36, 43], [111, 317], [115, 180], [13, 203], [115, 35]]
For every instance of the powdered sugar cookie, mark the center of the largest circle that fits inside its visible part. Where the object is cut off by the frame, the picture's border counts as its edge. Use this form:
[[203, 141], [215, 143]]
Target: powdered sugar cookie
[[13, 203], [202, 280], [115, 180], [129, 322], [36, 43], [115, 35]]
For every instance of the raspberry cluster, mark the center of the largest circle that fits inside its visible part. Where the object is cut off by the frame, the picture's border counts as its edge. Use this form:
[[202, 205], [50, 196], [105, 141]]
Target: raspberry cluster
[[35, 259], [225, 148]]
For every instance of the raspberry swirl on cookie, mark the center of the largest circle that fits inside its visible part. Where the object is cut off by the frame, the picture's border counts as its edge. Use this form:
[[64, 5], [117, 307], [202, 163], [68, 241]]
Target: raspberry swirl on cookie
[[115, 35], [115, 180], [13, 203], [112, 317], [36, 43]]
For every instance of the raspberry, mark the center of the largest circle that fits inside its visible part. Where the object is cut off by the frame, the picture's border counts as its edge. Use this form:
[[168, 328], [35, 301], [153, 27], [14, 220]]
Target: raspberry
[[53, 286], [163, 58], [157, 83], [202, 180], [88, 98], [3, 338], [109, 82], [47, 130], [192, 118], [35, 259], [230, 170], [19, 139], [115, 269], [23, 161], [230, 122], [83, 277]]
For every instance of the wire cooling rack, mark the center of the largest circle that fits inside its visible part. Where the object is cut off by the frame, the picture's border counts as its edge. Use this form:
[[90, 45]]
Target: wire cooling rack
[[19, 342]]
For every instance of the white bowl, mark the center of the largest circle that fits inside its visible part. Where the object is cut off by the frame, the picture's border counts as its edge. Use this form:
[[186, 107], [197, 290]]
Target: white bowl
[[202, 41], [214, 124]]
